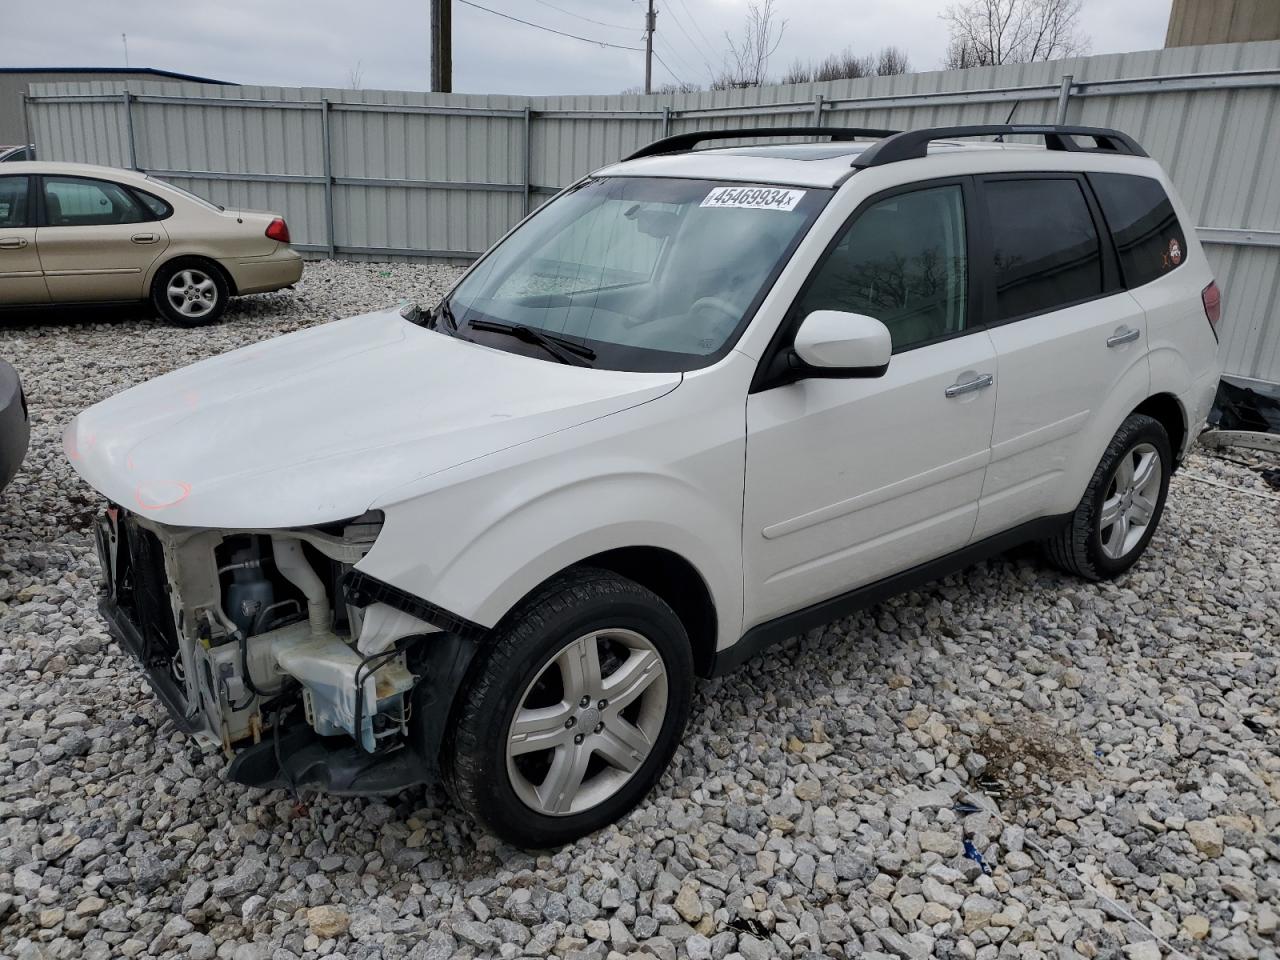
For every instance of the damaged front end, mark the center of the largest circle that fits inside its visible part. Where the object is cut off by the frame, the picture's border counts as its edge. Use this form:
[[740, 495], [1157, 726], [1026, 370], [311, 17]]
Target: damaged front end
[[271, 645]]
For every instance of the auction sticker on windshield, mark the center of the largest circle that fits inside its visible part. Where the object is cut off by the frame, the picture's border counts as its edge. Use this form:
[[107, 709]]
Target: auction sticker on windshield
[[753, 198]]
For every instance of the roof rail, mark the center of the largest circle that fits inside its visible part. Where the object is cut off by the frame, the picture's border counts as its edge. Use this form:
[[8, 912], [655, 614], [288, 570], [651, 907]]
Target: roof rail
[[683, 142], [914, 144]]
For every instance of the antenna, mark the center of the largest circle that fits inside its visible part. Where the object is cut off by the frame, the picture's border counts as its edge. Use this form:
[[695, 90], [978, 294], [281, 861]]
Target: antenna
[[124, 38]]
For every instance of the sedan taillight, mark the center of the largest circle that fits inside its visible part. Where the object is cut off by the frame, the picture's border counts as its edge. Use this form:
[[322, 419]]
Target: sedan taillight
[[1211, 297], [278, 230]]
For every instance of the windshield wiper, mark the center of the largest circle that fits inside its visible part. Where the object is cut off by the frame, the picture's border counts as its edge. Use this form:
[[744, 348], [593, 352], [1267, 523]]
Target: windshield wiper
[[566, 351], [445, 311]]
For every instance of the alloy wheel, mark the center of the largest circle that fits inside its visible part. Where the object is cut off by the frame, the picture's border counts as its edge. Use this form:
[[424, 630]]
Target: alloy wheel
[[192, 292], [1130, 502], [587, 722]]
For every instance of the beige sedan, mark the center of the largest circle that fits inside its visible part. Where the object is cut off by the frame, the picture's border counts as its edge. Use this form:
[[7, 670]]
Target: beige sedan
[[75, 233]]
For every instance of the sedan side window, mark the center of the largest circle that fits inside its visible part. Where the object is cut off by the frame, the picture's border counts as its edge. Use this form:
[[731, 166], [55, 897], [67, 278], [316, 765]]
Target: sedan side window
[[904, 262], [77, 202], [13, 202]]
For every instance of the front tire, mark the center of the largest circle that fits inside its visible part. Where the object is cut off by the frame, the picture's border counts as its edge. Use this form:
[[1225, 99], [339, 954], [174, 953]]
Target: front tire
[[190, 293], [572, 712], [1118, 515]]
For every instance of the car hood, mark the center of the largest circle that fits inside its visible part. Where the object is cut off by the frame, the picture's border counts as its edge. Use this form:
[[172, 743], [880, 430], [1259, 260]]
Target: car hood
[[311, 427]]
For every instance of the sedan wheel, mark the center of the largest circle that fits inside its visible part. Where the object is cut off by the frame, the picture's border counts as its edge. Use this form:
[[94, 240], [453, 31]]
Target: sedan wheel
[[192, 293], [587, 722]]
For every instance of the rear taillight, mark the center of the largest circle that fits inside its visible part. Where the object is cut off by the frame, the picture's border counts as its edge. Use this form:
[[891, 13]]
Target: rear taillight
[[1211, 297], [278, 230]]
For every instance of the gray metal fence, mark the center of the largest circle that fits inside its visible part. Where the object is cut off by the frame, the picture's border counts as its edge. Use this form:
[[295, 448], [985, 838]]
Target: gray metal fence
[[380, 174]]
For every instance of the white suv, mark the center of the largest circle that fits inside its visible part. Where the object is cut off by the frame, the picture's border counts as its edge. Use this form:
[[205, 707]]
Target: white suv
[[701, 401]]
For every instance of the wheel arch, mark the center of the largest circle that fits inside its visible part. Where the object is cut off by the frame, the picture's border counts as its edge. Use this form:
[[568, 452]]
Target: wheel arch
[[677, 583], [1167, 410], [169, 259]]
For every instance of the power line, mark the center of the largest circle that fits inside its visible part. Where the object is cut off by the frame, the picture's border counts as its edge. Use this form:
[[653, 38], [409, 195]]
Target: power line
[[692, 43], [538, 26], [675, 55], [698, 27], [658, 57], [599, 23]]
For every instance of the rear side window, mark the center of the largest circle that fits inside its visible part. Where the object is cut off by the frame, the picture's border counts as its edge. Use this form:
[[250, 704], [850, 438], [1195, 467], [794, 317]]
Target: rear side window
[[1044, 245], [904, 262], [76, 202], [13, 202], [1139, 215], [159, 209]]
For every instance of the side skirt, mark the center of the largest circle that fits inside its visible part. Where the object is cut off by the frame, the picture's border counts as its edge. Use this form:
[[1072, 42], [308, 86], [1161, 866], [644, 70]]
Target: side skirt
[[762, 636]]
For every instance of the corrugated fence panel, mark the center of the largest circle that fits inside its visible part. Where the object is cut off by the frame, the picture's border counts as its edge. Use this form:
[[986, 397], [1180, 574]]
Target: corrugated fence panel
[[395, 173]]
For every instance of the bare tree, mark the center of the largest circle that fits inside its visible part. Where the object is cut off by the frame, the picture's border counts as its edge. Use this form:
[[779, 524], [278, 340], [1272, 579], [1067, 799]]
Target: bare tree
[[747, 63], [355, 77], [683, 87], [845, 65], [798, 72], [891, 61], [990, 32], [960, 56]]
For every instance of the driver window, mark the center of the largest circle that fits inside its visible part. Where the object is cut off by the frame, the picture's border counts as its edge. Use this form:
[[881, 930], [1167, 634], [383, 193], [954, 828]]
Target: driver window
[[903, 261], [73, 202]]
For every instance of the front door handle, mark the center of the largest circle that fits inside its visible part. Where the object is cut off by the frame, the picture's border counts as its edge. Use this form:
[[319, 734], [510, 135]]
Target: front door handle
[[1123, 336], [145, 237], [12, 243], [980, 382]]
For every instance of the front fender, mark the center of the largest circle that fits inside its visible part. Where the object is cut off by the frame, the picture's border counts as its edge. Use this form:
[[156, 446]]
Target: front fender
[[668, 473], [496, 549]]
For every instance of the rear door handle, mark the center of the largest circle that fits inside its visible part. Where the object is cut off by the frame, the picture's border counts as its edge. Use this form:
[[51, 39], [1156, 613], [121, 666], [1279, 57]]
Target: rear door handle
[[12, 243], [980, 382], [145, 237], [1123, 336]]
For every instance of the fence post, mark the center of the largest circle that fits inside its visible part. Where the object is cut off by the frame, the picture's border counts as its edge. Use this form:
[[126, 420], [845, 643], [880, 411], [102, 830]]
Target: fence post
[[26, 124], [132, 154], [1064, 94], [527, 173], [666, 120], [817, 110], [326, 153]]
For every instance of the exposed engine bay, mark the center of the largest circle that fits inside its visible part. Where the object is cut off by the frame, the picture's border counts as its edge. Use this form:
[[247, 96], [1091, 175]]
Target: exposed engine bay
[[256, 642]]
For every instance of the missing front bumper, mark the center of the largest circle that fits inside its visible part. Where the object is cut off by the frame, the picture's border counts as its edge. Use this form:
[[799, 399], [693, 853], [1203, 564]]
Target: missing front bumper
[[124, 632], [298, 759]]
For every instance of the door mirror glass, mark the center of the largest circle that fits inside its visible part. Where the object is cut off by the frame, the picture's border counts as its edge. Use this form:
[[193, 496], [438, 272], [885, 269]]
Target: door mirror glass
[[832, 343]]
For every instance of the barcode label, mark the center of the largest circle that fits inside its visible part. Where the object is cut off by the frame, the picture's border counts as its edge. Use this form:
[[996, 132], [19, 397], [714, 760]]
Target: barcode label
[[753, 198]]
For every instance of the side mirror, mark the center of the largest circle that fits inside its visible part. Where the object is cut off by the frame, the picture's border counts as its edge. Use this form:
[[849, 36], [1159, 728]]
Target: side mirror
[[832, 343]]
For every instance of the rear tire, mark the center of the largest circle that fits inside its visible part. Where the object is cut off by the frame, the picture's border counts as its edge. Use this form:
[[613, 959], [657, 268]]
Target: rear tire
[[190, 292], [1118, 515], [571, 714]]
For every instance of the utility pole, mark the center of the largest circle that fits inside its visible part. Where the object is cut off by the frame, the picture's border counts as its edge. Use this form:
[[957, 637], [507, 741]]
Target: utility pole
[[124, 38], [441, 46], [650, 21]]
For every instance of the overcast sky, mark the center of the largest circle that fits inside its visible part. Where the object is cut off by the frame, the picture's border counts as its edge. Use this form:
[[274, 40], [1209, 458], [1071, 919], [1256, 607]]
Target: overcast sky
[[321, 42]]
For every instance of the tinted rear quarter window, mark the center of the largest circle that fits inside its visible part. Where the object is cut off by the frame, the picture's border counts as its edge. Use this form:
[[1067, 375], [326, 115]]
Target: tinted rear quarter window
[[1148, 237], [1044, 245]]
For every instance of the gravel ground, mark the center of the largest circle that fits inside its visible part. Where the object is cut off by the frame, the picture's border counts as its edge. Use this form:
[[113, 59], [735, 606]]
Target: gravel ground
[[1010, 763]]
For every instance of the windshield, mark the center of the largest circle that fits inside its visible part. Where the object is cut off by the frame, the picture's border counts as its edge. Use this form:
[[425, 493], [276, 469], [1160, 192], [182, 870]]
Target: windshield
[[648, 273]]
